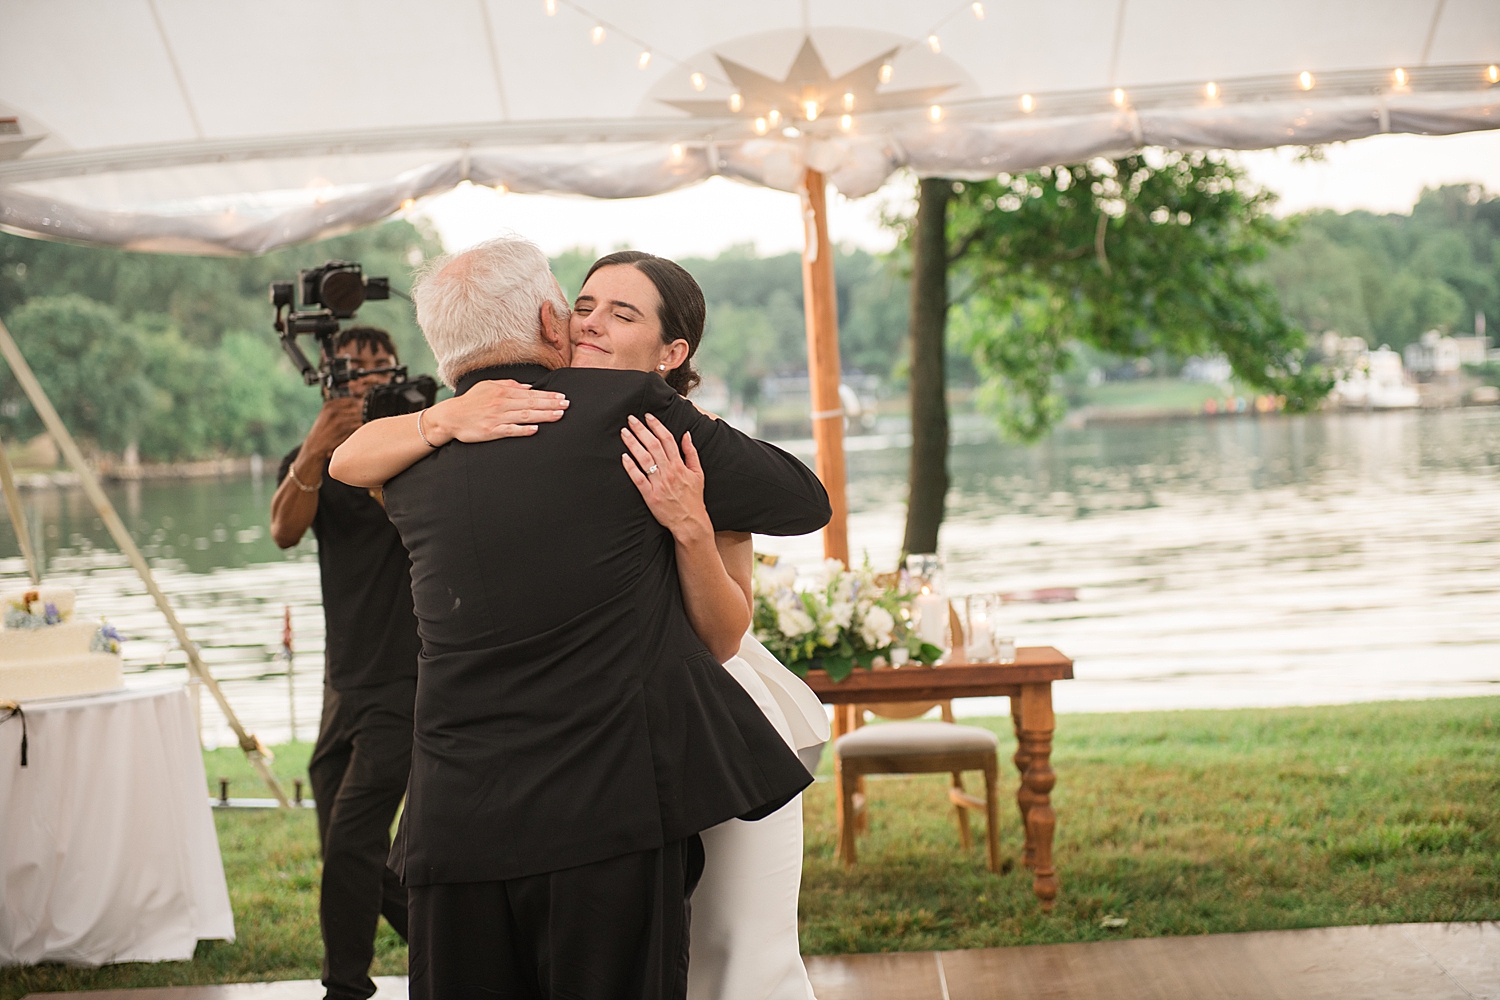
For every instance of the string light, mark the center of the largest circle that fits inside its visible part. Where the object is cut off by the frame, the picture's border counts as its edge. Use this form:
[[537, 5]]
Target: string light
[[935, 113], [774, 117], [1401, 77], [408, 204], [501, 189], [676, 152], [551, 7], [934, 44], [1118, 97], [1492, 74], [597, 34], [1028, 103], [736, 102], [698, 81], [644, 60], [846, 122], [849, 102], [761, 126], [810, 110], [978, 9], [887, 71], [1305, 80], [1212, 90]]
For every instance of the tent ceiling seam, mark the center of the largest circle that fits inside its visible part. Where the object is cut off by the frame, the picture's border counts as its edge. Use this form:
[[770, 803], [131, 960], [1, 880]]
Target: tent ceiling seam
[[182, 88], [489, 40], [1114, 55], [1437, 15]]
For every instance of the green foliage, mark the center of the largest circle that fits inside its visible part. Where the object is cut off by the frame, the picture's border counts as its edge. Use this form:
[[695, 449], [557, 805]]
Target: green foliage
[[1389, 278], [1130, 256], [177, 354]]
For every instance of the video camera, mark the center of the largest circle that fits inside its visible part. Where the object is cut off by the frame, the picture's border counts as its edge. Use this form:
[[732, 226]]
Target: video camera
[[329, 294]]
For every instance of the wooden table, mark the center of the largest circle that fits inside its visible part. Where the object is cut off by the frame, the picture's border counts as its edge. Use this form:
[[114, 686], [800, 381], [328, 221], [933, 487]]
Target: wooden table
[[1026, 682]]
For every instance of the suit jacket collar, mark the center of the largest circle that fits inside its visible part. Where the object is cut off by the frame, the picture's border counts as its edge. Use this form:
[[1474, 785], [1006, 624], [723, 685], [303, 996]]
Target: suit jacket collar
[[521, 373]]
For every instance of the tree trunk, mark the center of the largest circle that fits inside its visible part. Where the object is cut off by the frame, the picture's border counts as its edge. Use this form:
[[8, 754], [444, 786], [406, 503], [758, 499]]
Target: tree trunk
[[929, 402]]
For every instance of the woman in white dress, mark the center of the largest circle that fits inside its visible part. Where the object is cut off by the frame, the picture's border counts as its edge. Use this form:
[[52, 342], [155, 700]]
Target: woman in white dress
[[641, 312]]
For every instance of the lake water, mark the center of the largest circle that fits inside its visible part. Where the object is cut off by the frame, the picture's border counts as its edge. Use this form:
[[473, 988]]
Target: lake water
[[1220, 563]]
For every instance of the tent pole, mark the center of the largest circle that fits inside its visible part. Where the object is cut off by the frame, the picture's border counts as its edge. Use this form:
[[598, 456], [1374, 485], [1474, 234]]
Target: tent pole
[[254, 749], [820, 301], [18, 518]]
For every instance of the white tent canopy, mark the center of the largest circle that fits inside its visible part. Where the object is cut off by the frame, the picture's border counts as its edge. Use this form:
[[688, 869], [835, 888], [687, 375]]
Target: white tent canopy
[[235, 127]]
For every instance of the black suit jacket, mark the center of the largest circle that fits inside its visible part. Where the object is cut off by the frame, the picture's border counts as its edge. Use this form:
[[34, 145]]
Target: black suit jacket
[[566, 711]]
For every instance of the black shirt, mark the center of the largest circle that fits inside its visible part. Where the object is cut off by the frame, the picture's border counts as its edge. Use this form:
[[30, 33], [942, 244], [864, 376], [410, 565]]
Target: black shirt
[[367, 611]]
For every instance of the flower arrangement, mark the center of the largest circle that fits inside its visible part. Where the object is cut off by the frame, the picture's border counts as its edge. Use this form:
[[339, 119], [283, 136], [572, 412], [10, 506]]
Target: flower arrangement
[[842, 619]]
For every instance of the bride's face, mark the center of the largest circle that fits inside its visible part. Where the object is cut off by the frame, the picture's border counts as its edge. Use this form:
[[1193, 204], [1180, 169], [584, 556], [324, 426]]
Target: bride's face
[[615, 323]]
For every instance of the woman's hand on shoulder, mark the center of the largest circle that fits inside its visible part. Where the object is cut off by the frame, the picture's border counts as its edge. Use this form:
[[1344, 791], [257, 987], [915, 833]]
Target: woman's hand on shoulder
[[493, 409], [670, 481]]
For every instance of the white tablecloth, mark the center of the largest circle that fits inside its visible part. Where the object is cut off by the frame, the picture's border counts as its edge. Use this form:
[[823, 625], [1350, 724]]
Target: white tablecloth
[[107, 844]]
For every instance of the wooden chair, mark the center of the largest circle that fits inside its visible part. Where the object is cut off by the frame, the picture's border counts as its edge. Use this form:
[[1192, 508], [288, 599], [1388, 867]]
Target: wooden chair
[[913, 747]]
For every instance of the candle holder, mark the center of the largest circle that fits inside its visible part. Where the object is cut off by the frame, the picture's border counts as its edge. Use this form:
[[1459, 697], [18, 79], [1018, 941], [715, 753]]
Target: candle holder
[[929, 606]]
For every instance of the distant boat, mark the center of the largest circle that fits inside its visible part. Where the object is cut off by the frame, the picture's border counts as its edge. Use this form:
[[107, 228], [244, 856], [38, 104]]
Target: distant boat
[[1377, 383]]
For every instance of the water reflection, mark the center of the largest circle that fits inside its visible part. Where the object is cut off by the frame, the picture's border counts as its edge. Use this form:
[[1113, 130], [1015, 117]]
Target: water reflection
[[1222, 562]]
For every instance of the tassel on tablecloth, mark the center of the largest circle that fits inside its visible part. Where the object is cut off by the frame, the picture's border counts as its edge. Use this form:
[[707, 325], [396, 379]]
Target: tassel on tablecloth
[[10, 709]]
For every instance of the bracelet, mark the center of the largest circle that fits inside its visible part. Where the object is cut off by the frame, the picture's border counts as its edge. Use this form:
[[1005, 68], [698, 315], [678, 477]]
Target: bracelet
[[292, 471], [419, 430]]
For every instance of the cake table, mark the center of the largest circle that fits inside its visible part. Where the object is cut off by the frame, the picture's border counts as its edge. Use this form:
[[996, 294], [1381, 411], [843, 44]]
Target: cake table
[[107, 845]]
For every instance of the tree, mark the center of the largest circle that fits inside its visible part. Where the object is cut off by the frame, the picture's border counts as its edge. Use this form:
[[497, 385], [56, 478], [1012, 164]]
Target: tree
[[1150, 252]]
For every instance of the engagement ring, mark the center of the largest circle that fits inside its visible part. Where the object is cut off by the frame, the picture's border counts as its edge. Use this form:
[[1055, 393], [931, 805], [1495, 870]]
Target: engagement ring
[[651, 471]]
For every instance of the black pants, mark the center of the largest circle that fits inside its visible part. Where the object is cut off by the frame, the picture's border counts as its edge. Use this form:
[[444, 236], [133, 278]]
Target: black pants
[[358, 772], [612, 930]]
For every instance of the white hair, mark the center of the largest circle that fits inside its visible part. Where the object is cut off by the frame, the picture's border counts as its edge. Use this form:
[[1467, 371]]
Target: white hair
[[483, 305]]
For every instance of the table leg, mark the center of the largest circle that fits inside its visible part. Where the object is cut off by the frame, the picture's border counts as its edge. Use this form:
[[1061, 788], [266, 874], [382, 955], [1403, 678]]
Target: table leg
[[1037, 726], [1023, 794]]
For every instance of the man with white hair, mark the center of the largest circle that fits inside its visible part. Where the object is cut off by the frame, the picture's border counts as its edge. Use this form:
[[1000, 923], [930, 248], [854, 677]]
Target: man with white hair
[[573, 734]]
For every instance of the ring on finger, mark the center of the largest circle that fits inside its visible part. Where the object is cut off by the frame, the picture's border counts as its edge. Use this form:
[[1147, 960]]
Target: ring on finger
[[652, 471]]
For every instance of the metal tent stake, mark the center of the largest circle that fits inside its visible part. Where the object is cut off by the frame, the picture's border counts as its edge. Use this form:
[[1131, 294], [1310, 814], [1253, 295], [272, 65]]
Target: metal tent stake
[[254, 749]]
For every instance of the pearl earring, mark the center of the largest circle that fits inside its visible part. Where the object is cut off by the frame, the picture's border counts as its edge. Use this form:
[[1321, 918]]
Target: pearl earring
[[661, 368]]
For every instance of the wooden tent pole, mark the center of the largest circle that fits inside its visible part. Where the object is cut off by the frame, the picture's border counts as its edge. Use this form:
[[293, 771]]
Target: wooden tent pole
[[18, 518], [820, 301], [254, 749]]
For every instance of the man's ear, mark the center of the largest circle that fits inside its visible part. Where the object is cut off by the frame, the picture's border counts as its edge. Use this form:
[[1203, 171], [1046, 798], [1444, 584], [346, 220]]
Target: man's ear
[[555, 332]]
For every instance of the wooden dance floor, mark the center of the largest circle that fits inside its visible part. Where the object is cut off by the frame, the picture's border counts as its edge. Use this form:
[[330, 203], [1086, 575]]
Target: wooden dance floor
[[1386, 962]]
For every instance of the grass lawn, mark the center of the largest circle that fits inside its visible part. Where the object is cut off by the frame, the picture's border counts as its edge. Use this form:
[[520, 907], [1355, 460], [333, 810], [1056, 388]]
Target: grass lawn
[[1181, 822], [1165, 394]]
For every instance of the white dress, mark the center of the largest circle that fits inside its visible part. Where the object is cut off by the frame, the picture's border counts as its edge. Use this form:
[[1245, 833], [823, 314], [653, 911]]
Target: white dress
[[744, 932]]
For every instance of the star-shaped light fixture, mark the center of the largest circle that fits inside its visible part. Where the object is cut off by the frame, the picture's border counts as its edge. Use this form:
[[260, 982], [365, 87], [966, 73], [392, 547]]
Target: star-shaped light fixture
[[809, 93]]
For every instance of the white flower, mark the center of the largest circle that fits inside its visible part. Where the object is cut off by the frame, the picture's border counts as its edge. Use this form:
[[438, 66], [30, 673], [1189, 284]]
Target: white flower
[[793, 620], [876, 627], [842, 613], [829, 635]]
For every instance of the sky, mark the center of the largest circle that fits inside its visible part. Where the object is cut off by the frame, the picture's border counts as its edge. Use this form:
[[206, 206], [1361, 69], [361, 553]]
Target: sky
[[1383, 173]]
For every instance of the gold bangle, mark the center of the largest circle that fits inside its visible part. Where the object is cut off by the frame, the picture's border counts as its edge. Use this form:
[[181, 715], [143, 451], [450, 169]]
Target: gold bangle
[[292, 471]]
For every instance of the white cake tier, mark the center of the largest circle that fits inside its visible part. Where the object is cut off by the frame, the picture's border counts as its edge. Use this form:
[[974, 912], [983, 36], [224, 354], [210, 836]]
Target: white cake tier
[[47, 642], [59, 597], [54, 677]]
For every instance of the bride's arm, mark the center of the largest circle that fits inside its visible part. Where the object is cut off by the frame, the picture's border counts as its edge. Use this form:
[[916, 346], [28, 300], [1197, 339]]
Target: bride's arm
[[380, 449], [714, 569]]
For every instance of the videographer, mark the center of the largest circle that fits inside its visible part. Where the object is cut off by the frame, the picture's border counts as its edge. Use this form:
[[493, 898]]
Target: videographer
[[360, 763]]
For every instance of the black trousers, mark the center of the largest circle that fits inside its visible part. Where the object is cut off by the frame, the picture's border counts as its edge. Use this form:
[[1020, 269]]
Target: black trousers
[[612, 930], [358, 773]]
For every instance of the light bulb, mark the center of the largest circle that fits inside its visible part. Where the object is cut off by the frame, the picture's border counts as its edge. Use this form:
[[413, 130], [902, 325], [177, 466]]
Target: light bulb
[[810, 110], [774, 117], [501, 189], [848, 102], [978, 9], [1028, 103], [1401, 77], [934, 44], [846, 122], [597, 35], [1305, 80], [761, 126], [644, 60], [1212, 90], [408, 204], [676, 152], [698, 81], [1492, 74], [935, 113], [551, 7], [1118, 97], [736, 102], [887, 71]]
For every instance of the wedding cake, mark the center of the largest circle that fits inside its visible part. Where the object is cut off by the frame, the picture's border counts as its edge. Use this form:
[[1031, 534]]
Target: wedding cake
[[46, 652]]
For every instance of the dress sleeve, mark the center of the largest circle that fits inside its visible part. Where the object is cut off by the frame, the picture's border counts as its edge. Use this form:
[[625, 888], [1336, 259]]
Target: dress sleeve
[[749, 485]]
